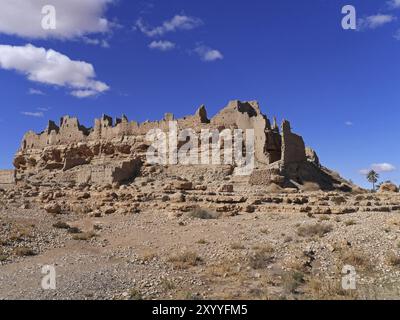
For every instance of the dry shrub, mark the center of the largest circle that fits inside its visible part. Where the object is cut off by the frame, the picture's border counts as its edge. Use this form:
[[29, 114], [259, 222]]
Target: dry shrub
[[393, 259], [292, 280], [20, 233], [61, 225], [224, 269], [167, 284], [310, 187], [202, 241], [74, 230], [339, 200], [261, 257], [273, 188], [298, 264], [329, 289], [149, 256], [201, 213], [395, 221], [237, 246], [84, 236], [312, 230], [355, 258], [135, 294], [24, 252], [350, 223], [324, 218], [185, 260]]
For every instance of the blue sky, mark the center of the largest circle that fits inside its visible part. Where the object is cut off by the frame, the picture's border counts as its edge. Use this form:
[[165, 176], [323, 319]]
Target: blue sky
[[339, 88]]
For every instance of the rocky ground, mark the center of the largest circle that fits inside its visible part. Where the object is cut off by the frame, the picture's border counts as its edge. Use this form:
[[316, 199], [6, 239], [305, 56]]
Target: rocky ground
[[164, 237]]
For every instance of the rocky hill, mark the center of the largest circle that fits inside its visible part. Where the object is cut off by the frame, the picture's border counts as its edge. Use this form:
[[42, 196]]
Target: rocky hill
[[117, 225]]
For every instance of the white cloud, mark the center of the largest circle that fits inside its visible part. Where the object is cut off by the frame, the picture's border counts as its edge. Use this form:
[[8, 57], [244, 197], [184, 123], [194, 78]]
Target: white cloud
[[50, 67], [178, 22], [379, 167], [207, 54], [349, 123], [394, 3], [43, 109], [397, 35], [162, 45], [375, 21], [75, 18], [96, 42], [33, 114], [36, 92], [84, 93], [383, 167]]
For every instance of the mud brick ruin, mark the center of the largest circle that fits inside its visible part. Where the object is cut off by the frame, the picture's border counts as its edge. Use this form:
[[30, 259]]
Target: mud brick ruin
[[108, 153]]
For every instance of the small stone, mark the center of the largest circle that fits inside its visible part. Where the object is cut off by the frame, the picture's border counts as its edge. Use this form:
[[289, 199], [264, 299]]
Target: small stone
[[226, 188], [53, 208]]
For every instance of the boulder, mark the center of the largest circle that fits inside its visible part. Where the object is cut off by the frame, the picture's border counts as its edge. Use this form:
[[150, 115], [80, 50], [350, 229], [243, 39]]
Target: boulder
[[177, 197], [226, 188], [388, 187], [53, 208], [183, 185]]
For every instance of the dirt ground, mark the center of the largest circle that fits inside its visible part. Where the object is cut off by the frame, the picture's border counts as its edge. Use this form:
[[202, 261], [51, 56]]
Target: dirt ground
[[280, 246]]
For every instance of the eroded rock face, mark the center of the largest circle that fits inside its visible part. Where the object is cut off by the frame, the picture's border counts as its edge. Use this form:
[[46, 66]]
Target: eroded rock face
[[113, 153], [7, 178]]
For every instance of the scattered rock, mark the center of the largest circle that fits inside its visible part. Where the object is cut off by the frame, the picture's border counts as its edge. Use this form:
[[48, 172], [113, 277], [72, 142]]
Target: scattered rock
[[388, 187]]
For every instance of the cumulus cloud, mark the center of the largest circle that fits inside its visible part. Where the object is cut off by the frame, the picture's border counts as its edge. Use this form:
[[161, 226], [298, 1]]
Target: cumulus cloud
[[52, 68], [75, 18], [208, 54], [178, 22], [379, 167], [162, 45], [375, 21], [349, 123]]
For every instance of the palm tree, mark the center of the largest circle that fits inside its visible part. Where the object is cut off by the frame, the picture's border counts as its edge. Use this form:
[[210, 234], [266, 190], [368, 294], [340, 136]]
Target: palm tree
[[373, 177]]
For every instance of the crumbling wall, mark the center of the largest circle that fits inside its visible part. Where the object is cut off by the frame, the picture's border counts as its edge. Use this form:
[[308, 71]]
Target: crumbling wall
[[246, 115], [293, 147], [7, 177], [110, 173], [72, 145], [266, 177], [70, 131]]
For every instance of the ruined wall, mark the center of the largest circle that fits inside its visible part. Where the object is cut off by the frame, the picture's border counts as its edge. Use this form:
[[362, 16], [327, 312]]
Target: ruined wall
[[270, 144], [110, 173], [293, 148], [71, 131], [247, 115], [7, 177], [266, 176]]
